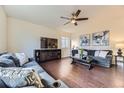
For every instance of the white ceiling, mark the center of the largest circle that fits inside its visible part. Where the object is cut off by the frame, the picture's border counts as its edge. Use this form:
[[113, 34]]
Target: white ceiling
[[50, 15]]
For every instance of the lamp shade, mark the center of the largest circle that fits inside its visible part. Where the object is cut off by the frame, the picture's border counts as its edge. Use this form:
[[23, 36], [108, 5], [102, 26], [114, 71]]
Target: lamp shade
[[120, 45]]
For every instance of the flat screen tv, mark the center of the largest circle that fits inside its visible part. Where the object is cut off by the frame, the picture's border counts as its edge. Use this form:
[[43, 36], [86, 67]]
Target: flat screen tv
[[49, 42]]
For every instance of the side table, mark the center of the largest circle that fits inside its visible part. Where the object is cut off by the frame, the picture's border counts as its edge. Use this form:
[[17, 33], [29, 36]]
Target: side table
[[119, 59]]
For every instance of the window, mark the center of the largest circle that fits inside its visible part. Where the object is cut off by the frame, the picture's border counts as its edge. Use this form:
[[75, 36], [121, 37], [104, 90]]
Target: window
[[65, 42]]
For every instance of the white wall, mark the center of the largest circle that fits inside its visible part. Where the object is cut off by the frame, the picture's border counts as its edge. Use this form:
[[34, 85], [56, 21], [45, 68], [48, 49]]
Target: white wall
[[24, 36], [109, 18], [3, 30]]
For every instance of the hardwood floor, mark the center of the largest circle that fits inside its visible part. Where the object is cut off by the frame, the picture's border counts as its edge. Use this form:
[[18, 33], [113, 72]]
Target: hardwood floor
[[78, 76]]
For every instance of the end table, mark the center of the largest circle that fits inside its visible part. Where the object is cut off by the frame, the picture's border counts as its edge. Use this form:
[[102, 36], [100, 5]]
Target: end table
[[119, 59]]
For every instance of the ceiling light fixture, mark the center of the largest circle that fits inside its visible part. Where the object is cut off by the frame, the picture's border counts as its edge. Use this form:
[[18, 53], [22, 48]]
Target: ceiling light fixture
[[73, 21]]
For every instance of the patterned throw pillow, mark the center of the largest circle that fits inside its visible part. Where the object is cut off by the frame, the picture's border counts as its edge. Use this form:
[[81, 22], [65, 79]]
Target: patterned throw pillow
[[103, 54], [34, 79], [22, 58], [12, 57], [4, 62], [15, 77]]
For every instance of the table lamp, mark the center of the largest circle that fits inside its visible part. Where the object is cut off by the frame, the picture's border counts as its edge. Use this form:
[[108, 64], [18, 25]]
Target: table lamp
[[120, 46]]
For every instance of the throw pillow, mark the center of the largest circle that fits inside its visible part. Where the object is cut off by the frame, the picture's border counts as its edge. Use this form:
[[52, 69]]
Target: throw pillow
[[22, 58], [96, 53], [103, 54], [14, 77], [4, 62], [20, 77], [85, 53], [77, 56], [12, 57], [34, 79]]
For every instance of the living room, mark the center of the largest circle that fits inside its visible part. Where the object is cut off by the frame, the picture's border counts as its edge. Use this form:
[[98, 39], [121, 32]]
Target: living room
[[23, 26]]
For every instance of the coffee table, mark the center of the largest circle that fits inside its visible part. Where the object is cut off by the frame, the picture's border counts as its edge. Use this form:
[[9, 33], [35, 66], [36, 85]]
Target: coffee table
[[87, 62]]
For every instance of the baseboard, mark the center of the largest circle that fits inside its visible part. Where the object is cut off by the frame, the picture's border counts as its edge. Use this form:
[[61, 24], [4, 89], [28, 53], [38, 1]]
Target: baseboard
[[66, 57]]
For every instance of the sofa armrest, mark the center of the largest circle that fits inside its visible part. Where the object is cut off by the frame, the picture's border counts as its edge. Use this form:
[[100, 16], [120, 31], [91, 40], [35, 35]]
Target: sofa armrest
[[109, 57]]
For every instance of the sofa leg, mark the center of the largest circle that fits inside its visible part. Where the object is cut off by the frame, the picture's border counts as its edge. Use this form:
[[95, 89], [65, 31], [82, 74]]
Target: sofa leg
[[90, 67]]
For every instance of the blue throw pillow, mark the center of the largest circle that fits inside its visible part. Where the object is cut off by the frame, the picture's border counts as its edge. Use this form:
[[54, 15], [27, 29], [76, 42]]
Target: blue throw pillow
[[4, 62], [12, 57]]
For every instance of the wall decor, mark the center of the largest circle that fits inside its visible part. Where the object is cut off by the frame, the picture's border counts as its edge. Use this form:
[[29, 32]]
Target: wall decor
[[100, 38], [85, 40]]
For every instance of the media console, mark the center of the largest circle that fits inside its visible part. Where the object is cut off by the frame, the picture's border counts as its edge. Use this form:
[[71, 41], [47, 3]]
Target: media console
[[43, 55]]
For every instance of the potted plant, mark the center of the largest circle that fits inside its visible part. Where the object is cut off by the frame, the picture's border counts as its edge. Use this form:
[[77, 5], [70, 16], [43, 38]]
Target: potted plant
[[81, 52]]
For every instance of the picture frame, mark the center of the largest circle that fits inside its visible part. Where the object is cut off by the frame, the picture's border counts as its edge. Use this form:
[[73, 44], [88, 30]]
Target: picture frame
[[101, 38], [85, 40]]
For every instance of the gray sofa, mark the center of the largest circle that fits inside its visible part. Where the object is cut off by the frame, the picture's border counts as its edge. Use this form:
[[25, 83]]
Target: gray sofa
[[104, 62], [33, 64]]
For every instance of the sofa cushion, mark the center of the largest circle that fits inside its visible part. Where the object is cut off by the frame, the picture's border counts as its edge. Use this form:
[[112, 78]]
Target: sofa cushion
[[37, 68], [34, 66], [103, 54], [100, 59], [31, 63]]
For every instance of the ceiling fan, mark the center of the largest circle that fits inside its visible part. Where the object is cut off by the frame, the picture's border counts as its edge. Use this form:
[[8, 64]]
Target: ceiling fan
[[74, 18]]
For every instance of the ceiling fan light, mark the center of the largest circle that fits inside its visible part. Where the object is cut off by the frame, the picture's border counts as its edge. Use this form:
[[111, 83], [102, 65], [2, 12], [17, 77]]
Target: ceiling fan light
[[73, 21]]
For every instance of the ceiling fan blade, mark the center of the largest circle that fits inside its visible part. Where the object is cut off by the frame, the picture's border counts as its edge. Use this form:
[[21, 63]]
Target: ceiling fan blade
[[67, 22], [77, 13], [80, 19], [65, 18], [75, 24]]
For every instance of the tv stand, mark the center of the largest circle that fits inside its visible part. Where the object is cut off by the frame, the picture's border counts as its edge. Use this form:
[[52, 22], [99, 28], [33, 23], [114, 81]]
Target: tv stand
[[43, 55]]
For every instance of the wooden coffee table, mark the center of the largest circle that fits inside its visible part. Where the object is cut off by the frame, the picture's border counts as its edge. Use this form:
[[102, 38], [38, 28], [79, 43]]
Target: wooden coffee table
[[87, 62]]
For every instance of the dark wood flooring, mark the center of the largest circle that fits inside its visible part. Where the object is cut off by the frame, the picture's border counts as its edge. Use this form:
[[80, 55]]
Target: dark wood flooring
[[78, 76]]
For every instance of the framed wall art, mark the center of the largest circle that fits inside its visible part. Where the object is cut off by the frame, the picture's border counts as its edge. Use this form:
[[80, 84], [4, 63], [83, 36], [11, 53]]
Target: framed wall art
[[101, 38], [85, 40]]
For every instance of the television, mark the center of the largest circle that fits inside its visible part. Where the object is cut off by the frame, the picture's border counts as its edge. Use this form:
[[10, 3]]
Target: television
[[48, 42]]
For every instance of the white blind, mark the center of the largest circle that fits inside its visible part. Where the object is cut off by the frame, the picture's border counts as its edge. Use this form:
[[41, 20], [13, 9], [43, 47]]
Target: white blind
[[65, 42]]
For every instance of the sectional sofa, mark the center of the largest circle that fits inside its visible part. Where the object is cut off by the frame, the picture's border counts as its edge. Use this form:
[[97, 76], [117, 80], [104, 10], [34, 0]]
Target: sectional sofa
[[42, 73]]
